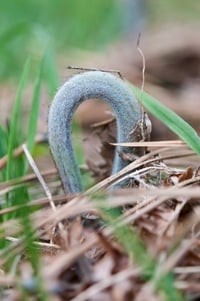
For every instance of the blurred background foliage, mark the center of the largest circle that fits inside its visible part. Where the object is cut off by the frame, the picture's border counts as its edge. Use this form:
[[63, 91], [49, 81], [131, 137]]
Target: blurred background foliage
[[29, 27]]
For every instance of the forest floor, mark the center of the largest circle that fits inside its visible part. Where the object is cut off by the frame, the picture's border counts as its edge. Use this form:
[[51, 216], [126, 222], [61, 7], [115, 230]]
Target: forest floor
[[141, 243]]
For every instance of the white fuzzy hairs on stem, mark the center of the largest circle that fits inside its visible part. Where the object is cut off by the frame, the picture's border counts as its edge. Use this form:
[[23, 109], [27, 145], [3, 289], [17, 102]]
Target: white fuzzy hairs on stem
[[84, 86]]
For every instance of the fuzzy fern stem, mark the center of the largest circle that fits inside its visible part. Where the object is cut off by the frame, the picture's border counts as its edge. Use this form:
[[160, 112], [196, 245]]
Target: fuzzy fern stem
[[84, 86]]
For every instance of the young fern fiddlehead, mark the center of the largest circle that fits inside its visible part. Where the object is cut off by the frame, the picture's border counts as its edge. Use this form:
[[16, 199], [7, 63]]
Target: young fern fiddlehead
[[88, 85]]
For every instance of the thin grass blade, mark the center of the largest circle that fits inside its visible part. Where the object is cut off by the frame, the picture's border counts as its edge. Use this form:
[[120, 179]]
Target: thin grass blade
[[32, 129], [50, 72], [15, 117], [3, 141]]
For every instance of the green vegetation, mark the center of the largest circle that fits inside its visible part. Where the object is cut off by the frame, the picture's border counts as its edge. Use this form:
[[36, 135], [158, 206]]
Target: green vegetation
[[29, 27], [13, 137], [179, 126], [17, 167], [38, 29]]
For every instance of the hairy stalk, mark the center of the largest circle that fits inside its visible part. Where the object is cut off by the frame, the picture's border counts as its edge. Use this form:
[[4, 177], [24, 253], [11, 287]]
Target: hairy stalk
[[88, 85]]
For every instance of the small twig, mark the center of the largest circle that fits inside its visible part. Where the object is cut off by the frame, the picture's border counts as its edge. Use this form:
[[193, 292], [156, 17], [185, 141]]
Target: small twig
[[143, 61], [95, 69], [43, 245], [187, 270], [39, 176], [26, 179], [166, 143], [43, 184]]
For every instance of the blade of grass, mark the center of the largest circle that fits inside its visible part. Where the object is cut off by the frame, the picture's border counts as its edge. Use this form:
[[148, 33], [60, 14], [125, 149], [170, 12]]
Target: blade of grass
[[179, 126], [50, 72], [32, 129], [3, 148], [15, 116], [3, 141], [20, 196]]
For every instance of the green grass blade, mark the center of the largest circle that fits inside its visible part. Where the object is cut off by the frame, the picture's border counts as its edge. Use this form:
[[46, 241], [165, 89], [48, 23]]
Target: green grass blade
[[50, 72], [15, 117], [170, 119], [32, 129], [3, 141]]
